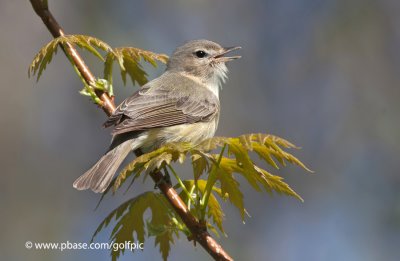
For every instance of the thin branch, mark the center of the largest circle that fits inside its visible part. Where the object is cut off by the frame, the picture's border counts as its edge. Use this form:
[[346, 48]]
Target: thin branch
[[56, 30], [198, 230]]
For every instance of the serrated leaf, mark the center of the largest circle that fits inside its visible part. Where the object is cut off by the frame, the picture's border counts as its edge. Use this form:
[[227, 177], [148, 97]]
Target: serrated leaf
[[267, 180], [243, 160], [135, 72], [276, 183], [158, 162], [211, 144], [161, 216], [131, 226], [42, 59], [170, 152], [135, 166], [265, 154], [266, 146], [45, 55], [137, 54], [164, 241], [230, 188], [129, 59], [215, 212], [115, 213], [164, 224], [131, 223], [246, 141], [280, 141], [200, 165], [89, 43]]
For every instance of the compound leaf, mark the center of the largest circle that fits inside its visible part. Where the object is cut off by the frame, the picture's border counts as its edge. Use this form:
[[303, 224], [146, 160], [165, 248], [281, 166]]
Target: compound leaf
[[128, 59], [45, 55]]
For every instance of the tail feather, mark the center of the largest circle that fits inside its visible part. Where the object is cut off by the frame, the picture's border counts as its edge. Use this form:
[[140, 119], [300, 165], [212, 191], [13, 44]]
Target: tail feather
[[99, 177]]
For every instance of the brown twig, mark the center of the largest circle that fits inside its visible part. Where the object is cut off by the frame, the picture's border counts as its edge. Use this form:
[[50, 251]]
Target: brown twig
[[199, 233], [56, 30]]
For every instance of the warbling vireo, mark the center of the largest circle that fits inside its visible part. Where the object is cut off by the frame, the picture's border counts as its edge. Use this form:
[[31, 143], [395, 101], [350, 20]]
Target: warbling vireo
[[182, 105]]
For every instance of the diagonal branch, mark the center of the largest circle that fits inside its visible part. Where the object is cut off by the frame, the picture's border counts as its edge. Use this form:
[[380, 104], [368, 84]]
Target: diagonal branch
[[41, 9], [198, 230]]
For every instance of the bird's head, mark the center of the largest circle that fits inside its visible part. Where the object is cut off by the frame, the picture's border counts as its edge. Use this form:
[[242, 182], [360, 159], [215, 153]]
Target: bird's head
[[202, 59]]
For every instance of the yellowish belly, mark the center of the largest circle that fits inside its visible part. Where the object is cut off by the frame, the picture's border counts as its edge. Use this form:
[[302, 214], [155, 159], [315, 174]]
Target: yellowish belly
[[193, 133]]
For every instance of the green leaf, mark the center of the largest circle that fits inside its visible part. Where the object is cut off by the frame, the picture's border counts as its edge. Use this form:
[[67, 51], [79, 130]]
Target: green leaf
[[214, 209], [215, 212], [108, 68], [164, 224], [267, 180], [266, 146], [211, 144], [243, 161], [136, 166], [230, 188], [200, 165], [130, 222], [116, 213], [128, 59], [45, 55], [148, 162], [276, 183], [135, 71], [265, 154], [161, 218]]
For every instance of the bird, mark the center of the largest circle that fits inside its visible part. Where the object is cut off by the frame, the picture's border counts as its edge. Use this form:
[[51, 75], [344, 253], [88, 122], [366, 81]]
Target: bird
[[181, 105]]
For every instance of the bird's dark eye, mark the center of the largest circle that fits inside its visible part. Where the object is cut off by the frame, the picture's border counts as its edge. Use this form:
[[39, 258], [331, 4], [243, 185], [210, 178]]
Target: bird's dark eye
[[201, 54]]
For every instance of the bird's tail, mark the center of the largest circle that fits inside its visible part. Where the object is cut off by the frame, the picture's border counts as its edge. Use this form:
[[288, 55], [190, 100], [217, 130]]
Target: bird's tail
[[99, 177]]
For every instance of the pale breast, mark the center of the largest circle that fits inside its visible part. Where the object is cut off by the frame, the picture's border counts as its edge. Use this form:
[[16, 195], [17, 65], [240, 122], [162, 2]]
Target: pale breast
[[193, 133]]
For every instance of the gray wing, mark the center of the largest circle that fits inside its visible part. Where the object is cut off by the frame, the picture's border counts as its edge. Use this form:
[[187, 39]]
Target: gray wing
[[164, 102]]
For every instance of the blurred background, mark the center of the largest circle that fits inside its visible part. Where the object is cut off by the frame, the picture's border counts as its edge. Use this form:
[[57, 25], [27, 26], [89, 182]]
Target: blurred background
[[323, 74]]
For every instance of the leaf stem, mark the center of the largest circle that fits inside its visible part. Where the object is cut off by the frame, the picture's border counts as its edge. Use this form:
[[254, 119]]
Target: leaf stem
[[189, 195], [210, 184]]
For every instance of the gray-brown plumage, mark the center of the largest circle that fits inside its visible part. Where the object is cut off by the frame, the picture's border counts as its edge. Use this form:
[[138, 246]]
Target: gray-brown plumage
[[162, 103], [180, 105]]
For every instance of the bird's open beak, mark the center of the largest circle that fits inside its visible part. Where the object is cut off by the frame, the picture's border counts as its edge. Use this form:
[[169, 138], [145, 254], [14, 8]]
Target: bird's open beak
[[221, 58]]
